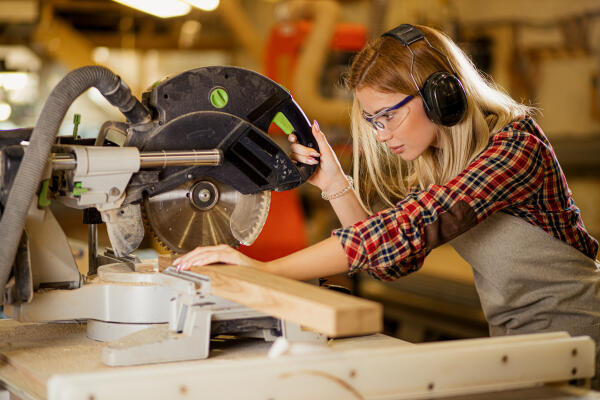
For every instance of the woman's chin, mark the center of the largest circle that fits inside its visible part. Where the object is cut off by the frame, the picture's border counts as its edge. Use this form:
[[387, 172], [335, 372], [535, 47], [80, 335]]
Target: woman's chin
[[408, 156]]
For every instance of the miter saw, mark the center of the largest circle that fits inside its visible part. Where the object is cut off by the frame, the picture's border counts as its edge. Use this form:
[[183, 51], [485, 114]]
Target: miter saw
[[193, 160]]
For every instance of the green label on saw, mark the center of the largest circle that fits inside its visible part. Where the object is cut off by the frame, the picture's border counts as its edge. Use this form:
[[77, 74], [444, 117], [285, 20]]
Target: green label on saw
[[283, 123]]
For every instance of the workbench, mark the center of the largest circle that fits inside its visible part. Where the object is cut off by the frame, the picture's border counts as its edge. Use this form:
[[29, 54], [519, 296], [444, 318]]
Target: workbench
[[32, 354], [57, 361]]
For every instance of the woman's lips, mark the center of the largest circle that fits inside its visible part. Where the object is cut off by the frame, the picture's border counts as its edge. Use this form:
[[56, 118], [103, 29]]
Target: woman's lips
[[397, 149]]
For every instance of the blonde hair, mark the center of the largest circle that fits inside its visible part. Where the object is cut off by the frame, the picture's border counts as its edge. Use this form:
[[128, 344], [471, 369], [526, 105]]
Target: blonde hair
[[384, 65]]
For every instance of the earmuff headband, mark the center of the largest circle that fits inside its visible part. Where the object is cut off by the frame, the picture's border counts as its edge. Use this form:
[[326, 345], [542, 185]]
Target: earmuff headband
[[408, 34]]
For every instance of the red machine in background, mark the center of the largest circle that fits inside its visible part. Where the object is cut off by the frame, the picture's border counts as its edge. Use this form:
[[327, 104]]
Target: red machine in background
[[286, 229]]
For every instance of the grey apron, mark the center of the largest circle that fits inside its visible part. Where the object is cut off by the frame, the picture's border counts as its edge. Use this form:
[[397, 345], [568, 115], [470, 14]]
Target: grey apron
[[528, 281]]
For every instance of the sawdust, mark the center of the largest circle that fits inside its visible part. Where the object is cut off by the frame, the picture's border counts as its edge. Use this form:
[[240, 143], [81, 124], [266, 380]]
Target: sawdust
[[140, 338], [31, 353]]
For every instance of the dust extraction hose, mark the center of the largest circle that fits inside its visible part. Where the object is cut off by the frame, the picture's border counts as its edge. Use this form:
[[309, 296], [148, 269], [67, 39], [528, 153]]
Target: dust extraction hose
[[27, 179]]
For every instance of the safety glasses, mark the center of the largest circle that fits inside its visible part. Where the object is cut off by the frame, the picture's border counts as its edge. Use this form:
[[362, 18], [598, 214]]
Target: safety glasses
[[389, 118]]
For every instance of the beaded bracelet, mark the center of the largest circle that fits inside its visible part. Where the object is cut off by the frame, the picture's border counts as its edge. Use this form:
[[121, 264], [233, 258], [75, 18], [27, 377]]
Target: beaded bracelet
[[342, 192]]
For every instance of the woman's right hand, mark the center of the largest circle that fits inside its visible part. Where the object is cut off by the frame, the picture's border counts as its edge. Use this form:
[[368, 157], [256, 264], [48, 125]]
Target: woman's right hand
[[329, 175]]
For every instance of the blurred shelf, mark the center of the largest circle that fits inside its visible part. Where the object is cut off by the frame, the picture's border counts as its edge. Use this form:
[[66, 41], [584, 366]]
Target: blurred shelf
[[578, 156]]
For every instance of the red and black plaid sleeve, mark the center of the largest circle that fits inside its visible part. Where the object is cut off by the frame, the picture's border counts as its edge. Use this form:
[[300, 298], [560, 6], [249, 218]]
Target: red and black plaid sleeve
[[517, 173]]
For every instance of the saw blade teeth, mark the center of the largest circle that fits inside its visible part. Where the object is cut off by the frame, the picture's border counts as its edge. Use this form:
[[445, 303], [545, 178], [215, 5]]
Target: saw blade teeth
[[247, 226], [172, 216], [260, 219], [156, 242]]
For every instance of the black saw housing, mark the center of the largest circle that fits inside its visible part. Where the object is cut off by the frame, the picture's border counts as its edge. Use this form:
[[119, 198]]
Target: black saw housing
[[185, 118]]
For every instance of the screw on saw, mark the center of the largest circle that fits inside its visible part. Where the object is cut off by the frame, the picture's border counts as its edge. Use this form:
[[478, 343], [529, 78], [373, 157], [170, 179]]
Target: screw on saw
[[218, 97]]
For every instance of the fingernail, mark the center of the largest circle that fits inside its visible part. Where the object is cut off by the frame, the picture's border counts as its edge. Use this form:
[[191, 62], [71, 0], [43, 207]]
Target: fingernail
[[178, 267], [316, 124]]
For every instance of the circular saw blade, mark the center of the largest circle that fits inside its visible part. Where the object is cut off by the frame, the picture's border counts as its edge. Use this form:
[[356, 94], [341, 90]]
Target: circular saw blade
[[205, 213]]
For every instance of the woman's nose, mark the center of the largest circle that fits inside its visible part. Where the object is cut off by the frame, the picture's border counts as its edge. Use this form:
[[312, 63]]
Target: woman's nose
[[383, 135]]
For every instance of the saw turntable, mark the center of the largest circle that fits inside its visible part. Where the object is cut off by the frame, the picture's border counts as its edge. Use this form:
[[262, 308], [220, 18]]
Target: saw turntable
[[193, 162]]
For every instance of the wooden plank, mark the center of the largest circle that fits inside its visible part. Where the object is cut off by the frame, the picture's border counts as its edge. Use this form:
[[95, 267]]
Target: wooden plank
[[428, 370], [322, 310]]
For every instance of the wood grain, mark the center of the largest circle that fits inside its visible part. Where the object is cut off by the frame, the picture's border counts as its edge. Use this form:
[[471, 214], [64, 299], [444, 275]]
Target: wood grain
[[322, 310]]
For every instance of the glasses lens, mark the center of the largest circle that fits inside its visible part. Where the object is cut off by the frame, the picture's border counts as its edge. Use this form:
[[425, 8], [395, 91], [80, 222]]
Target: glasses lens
[[390, 120]]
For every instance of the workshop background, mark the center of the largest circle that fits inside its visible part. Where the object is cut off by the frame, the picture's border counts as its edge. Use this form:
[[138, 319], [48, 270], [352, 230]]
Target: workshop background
[[542, 52]]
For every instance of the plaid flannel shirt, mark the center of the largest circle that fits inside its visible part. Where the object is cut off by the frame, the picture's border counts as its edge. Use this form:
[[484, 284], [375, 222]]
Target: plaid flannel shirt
[[517, 173]]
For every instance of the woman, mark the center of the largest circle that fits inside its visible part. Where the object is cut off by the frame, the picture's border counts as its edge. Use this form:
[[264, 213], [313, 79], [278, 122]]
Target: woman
[[473, 170]]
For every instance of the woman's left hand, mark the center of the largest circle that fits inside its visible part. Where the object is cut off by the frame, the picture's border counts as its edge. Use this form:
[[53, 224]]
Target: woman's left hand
[[215, 254]]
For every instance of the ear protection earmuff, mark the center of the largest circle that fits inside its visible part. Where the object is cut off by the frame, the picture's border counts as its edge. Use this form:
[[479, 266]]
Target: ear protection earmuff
[[443, 94]]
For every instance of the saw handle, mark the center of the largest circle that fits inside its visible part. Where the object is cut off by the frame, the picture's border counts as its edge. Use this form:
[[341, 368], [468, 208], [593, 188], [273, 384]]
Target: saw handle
[[303, 132]]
